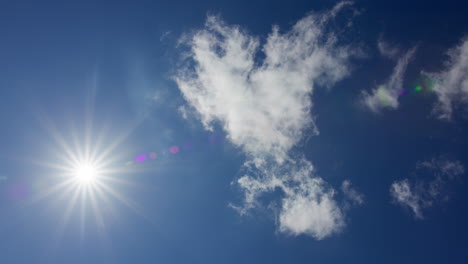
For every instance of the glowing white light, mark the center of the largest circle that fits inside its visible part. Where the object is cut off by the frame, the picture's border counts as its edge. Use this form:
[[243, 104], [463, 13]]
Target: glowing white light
[[86, 174], [85, 169]]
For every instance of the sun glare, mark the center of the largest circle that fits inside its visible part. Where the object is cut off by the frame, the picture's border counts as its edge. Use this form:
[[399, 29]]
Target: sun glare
[[86, 174], [87, 171]]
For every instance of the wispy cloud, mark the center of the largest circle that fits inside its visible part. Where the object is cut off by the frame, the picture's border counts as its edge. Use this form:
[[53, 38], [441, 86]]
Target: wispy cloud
[[386, 95], [451, 84], [422, 193], [351, 194], [402, 193], [264, 105], [388, 50]]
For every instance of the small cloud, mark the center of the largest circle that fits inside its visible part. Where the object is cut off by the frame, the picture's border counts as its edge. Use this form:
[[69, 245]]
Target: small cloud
[[351, 194], [388, 50], [419, 194], [443, 167], [402, 193], [183, 112], [165, 35], [311, 213], [386, 95], [451, 84]]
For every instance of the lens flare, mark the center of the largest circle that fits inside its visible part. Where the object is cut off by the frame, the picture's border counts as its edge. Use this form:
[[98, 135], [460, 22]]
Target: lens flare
[[83, 177], [422, 85], [174, 149]]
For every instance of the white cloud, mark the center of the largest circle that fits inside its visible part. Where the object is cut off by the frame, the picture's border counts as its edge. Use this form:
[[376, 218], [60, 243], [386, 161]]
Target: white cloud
[[264, 105], [451, 84], [308, 205], [264, 108], [423, 193], [312, 213], [351, 194], [402, 193], [386, 95]]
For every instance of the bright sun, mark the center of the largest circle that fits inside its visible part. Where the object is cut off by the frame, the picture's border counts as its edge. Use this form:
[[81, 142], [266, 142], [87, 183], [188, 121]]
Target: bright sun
[[88, 170], [86, 174]]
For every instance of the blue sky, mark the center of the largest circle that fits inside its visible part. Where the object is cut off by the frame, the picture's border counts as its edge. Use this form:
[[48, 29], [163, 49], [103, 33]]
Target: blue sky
[[233, 132]]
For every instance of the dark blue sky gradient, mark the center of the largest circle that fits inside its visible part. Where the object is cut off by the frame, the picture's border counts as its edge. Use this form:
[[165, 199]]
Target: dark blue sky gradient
[[53, 54]]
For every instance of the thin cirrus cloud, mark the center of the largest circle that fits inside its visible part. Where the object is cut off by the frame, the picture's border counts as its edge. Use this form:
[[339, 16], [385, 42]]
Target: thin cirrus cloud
[[418, 194], [451, 84], [265, 109], [386, 96], [387, 49], [351, 194]]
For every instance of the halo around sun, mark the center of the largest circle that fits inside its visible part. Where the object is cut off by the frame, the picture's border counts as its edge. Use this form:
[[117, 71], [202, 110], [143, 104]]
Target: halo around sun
[[85, 175]]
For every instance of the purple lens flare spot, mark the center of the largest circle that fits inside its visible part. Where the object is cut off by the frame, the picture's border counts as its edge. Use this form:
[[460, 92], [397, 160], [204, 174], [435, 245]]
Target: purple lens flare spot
[[140, 158], [174, 149], [18, 191]]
